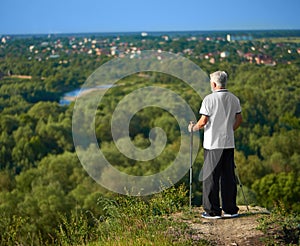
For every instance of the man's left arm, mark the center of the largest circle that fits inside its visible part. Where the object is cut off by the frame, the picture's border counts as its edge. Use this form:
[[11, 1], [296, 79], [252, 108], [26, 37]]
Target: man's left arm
[[238, 121]]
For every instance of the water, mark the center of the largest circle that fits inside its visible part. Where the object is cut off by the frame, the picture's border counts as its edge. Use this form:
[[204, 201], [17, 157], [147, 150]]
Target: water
[[70, 96]]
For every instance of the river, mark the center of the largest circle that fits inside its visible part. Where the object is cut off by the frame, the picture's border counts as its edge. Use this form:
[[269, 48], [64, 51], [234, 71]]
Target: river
[[71, 96]]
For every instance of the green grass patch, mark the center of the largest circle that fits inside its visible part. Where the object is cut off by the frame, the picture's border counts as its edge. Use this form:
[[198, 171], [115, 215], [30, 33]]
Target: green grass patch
[[281, 40], [131, 221], [281, 227]]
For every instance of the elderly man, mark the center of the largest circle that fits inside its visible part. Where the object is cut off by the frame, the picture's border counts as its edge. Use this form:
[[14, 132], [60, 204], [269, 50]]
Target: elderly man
[[220, 117]]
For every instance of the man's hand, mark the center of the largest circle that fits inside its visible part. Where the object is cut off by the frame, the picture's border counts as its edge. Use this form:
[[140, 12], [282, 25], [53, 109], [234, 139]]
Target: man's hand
[[191, 125]]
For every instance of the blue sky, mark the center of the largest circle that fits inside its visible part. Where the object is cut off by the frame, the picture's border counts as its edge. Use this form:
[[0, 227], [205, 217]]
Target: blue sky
[[67, 16]]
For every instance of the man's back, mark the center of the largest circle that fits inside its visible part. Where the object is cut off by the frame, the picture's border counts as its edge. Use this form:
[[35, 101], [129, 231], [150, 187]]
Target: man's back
[[221, 107]]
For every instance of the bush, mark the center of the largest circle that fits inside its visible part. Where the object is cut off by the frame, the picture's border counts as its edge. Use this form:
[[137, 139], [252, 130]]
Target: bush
[[279, 188]]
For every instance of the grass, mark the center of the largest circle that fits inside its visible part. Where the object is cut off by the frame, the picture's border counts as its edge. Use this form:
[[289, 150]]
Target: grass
[[131, 221], [281, 227], [124, 220], [153, 231]]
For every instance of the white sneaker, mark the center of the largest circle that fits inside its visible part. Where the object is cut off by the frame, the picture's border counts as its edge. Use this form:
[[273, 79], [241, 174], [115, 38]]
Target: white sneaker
[[230, 215]]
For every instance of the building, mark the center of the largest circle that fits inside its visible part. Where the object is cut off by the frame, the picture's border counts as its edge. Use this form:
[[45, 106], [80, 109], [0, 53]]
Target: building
[[224, 54]]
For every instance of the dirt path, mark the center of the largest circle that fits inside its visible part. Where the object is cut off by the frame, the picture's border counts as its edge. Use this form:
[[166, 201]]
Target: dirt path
[[237, 231]]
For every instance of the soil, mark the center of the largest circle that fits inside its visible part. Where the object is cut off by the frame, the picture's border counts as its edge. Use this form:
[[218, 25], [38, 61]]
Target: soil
[[234, 231]]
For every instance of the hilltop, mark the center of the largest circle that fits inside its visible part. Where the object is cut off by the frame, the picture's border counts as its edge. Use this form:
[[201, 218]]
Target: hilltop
[[238, 231]]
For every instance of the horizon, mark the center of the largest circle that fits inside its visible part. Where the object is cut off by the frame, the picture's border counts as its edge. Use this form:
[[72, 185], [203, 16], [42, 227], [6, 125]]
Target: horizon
[[151, 32]]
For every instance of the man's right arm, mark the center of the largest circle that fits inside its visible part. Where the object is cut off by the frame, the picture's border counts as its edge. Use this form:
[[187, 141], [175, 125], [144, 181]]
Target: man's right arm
[[200, 124]]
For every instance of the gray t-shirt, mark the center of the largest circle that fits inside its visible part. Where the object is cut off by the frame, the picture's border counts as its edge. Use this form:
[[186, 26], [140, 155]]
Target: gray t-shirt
[[221, 107]]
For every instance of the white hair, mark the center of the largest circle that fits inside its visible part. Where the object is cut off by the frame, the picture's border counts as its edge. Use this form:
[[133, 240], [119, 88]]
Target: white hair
[[219, 77]]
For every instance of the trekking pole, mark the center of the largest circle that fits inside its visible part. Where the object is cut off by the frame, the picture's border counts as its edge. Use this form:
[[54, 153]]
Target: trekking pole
[[240, 183], [191, 165]]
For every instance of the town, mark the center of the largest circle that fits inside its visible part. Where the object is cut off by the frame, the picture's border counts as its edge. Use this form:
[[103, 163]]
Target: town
[[236, 47]]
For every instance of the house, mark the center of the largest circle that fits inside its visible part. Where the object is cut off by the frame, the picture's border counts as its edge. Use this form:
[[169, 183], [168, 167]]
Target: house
[[228, 37], [264, 59], [249, 56], [224, 54]]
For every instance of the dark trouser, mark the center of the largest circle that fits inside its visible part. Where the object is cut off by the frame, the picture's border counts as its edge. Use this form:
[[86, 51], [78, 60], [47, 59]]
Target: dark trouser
[[219, 167]]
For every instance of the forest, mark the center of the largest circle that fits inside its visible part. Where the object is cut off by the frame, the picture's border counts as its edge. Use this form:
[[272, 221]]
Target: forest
[[46, 195]]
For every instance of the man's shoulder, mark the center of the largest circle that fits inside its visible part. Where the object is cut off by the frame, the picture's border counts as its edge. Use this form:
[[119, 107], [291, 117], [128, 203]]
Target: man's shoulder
[[209, 96], [207, 100], [233, 95]]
